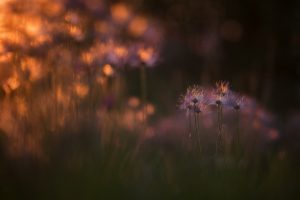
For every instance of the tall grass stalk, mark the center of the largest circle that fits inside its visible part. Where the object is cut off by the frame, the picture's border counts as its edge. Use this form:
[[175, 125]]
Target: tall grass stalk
[[143, 83], [190, 127], [198, 140], [219, 142], [237, 135]]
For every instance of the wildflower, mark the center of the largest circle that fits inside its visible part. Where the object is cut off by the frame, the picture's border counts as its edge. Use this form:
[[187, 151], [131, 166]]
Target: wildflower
[[233, 100], [81, 89], [134, 102], [138, 26], [194, 100], [222, 90], [222, 87], [147, 55], [108, 70], [120, 12]]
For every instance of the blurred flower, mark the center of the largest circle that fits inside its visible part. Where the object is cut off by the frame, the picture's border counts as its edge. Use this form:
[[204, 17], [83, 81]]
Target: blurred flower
[[108, 70], [120, 12], [138, 26], [81, 89], [33, 67], [150, 109], [12, 83], [134, 102], [147, 56], [87, 58], [55, 54]]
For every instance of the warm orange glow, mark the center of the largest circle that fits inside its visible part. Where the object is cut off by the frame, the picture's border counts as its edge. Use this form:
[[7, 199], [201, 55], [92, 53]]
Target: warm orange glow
[[150, 109], [34, 68], [63, 97], [222, 87], [134, 102], [87, 58], [120, 12], [81, 90], [146, 54], [57, 63], [140, 116], [2, 49], [33, 27], [7, 57], [12, 37], [120, 52], [12, 83], [21, 107], [129, 119], [4, 2], [102, 27], [52, 8], [73, 18], [75, 32], [138, 26], [40, 39], [101, 80], [108, 70]]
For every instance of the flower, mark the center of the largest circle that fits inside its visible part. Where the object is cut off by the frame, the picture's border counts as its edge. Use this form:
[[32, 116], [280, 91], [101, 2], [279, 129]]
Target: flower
[[222, 87], [194, 100], [222, 90], [233, 100]]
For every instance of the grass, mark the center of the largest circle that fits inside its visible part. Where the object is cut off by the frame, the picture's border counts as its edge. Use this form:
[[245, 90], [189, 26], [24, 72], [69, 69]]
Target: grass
[[72, 126]]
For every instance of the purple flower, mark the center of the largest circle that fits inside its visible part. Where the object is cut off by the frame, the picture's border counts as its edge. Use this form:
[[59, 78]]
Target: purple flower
[[194, 100]]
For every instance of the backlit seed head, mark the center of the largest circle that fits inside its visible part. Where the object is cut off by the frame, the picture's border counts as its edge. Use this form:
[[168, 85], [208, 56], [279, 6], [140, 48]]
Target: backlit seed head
[[233, 100], [222, 88], [194, 100]]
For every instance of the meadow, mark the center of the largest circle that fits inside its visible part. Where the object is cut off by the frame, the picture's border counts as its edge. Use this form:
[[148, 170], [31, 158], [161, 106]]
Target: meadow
[[95, 105]]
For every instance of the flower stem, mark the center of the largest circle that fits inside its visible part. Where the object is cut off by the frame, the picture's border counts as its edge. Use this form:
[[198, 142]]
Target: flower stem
[[143, 82], [198, 132], [237, 136], [219, 136]]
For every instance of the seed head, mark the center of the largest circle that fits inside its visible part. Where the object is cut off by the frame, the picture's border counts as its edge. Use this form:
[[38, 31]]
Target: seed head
[[233, 100], [194, 100], [222, 88]]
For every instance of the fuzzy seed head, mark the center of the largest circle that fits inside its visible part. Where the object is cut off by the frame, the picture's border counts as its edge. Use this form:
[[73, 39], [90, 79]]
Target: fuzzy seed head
[[222, 87]]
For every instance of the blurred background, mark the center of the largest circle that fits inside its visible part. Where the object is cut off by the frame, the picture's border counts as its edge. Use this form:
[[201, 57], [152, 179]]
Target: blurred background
[[253, 44], [90, 91]]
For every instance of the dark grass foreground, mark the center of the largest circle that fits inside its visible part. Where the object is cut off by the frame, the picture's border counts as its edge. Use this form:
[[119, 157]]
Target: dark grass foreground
[[79, 167]]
